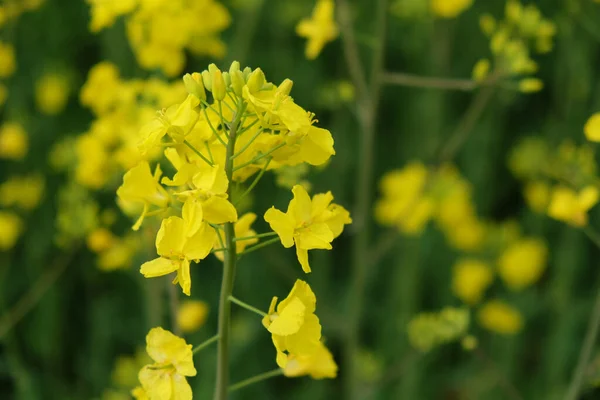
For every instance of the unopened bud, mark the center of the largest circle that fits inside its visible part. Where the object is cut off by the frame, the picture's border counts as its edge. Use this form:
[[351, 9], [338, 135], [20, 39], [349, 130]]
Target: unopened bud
[[256, 80], [193, 84], [237, 82], [285, 87], [219, 89], [206, 78]]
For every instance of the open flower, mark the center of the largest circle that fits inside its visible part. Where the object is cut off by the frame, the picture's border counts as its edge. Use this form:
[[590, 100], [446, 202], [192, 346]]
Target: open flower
[[178, 242], [140, 186], [319, 29], [308, 224], [173, 361], [570, 206]]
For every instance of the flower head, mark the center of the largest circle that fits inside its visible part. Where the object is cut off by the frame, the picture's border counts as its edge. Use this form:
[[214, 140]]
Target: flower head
[[308, 224], [14, 141], [319, 29], [570, 206], [470, 279], [498, 316], [522, 263], [173, 361], [192, 315]]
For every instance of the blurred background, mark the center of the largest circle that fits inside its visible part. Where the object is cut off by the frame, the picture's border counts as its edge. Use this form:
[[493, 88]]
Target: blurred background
[[480, 123]]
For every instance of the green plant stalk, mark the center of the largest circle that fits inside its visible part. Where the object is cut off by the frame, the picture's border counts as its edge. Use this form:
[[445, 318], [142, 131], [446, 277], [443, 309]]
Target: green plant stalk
[[255, 379], [222, 381]]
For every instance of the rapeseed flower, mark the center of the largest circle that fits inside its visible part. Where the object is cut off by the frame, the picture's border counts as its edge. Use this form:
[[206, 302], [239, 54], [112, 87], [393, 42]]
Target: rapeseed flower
[[470, 279], [52, 93], [522, 263], [498, 316], [449, 8], [572, 206], [319, 29], [191, 315], [592, 128], [14, 142]]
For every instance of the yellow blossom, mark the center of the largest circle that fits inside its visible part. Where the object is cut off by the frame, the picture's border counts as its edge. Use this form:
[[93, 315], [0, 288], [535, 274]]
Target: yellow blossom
[[308, 224], [22, 191], [481, 70], [104, 13], [11, 228], [537, 195], [319, 29], [592, 128], [139, 393], [140, 186], [498, 316], [470, 279], [319, 363], [449, 8], [530, 85], [242, 230], [100, 239], [179, 241], [427, 330], [522, 263], [570, 206], [119, 254], [191, 315], [52, 93], [173, 361], [7, 60], [14, 141]]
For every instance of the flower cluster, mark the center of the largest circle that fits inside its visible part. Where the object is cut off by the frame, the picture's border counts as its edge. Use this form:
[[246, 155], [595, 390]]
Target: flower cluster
[[560, 182], [160, 31], [428, 330], [512, 42]]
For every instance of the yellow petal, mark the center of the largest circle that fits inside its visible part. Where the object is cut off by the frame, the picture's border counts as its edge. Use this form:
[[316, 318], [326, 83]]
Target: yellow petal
[[171, 237], [304, 293], [183, 277], [181, 388], [317, 146], [302, 255], [289, 319], [300, 207], [159, 267], [592, 128], [218, 210], [193, 216], [198, 246], [156, 383], [314, 236], [282, 224]]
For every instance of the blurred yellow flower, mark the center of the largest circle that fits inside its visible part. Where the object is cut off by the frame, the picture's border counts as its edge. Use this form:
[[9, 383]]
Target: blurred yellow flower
[[14, 142], [7, 60], [537, 195], [449, 8], [173, 361], [100, 239], [470, 279], [11, 228], [120, 254], [104, 13], [319, 29], [191, 315], [22, 191], [51, 93], [523, 263], [431, 329], [497, 316], [138, 393], [319, 363], [592, 128], [308, 223], [481, 70], [530, 85], [570, 206]]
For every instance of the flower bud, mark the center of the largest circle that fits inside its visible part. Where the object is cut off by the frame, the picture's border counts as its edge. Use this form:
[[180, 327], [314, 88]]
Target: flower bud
[[256, 80], [237, 82], [285, 87], [193, 84], [218, 85], [247, 71], [235, 66], [227, 79], [206, 78]]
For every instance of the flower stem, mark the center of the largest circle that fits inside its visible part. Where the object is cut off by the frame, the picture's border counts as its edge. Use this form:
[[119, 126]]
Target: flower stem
[[260, 235], [260, 157], [254, 182], [403, 79], [222, 381], [247, 306], [205, 344], [188, 144], [173, 306], [256, 379], [259, 246]]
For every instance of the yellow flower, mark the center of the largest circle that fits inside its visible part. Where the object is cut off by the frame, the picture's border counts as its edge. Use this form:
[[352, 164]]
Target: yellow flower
[[191, 315], [52, 93], [449, 8], [308, 224], [139, 393], [178, 242], [25, 192], [537, 195], [296, 334], [7, 60], [140, 186], [427, 330], [499, 317], [242, 229], [319, 29], [104, 13], [100, 239], [120, 254], [522, 263], [11, 228], [481, 70], [530, 85], [470, 279], [14, 141], [570, 206], [592, 128], [173, 361]]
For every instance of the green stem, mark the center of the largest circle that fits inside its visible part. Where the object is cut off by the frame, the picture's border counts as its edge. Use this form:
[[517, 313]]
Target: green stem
[[247, 306], [222, 380], [259, 157], [403, 79], [254, 182], [188, 144], [245, 147], [205, 344], [212, 128], [260, 235], [592, 235], [256, 379], [173, 305], [259, 246]]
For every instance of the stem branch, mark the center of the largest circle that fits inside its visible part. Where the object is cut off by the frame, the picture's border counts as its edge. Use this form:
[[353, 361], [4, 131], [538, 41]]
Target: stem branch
[[255, 379]]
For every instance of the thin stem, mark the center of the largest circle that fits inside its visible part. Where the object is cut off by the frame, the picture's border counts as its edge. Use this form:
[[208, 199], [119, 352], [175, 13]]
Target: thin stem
[[247, 127], [247, 306], [259, 246], [260, 235], [207, 147], [259, 157], [222, 379], [403, 79], [585, 353], [367, 110], [245, 147], [188, 144], [464, 128], [212, 128], [351, 49], [35, 294], [254, 182], [205, 344], [173, 306], [592, 234], [256, 379]]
